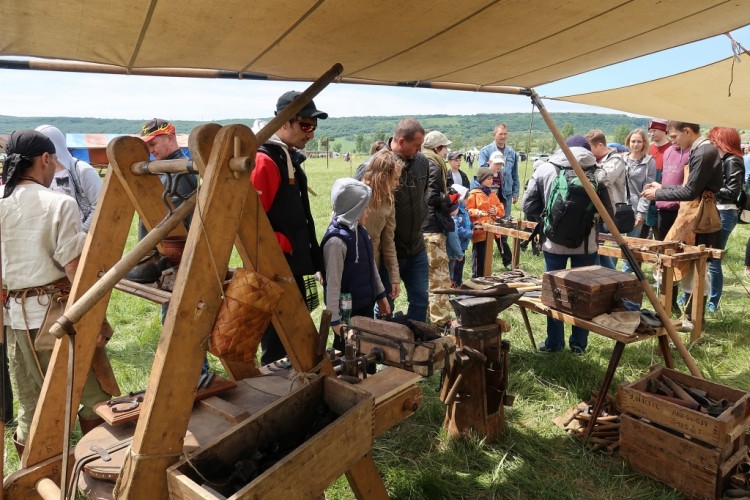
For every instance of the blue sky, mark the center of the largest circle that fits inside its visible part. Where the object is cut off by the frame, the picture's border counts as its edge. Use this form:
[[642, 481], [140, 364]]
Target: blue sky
[[42, 93]]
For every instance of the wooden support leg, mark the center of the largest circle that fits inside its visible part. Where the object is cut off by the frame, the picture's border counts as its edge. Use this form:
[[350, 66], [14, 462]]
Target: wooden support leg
[[103, 248], [516, 257], [365, 480], [667, 283], [196, 299], [614, 360], [488, 251], [665, 352], [699, 286], [525, 316]]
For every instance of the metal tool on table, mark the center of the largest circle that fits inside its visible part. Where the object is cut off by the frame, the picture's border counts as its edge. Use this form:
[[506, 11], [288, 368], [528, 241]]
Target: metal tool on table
[[132, 401]]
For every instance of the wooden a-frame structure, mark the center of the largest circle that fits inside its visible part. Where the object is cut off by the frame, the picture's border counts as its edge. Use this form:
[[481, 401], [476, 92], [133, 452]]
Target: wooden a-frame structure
[[228, 214]]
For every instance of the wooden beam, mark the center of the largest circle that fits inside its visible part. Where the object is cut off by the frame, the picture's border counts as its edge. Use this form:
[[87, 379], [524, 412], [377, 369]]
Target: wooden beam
[[111, 225]]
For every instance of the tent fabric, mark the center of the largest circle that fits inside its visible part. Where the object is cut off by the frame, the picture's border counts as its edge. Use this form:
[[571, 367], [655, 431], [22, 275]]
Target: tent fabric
[[522, 43], [700, 95]]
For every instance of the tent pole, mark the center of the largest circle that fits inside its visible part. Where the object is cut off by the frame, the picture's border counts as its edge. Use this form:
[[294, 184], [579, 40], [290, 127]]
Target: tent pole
[[660, 311]]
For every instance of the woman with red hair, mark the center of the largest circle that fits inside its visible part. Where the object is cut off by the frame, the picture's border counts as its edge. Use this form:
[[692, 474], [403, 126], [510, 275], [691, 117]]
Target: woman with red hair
[[727, 141]]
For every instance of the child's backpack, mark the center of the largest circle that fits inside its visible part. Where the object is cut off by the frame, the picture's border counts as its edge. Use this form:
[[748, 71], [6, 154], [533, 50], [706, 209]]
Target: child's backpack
[[569, 213]]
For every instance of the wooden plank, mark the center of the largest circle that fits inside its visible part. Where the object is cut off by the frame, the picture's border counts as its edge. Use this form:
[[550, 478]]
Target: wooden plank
[[695, 470], [537, 306], [392, 411], [103, 248], [365, 481], [228, 411], [218, 385], [388, 382], [21, 484], [196, 301]]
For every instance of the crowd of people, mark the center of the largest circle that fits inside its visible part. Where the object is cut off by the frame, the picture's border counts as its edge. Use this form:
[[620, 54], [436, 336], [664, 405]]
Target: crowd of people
[[408, 217]]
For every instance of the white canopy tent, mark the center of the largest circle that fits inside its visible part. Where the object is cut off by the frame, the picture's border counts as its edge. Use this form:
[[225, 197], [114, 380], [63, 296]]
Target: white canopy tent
[[479, 43], [716, 94]]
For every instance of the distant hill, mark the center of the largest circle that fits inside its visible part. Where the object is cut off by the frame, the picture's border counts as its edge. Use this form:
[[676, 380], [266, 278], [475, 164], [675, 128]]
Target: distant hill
[[464, 130]]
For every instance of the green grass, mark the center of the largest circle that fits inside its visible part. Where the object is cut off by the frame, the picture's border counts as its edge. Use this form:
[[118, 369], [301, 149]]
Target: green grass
[[534, 458]]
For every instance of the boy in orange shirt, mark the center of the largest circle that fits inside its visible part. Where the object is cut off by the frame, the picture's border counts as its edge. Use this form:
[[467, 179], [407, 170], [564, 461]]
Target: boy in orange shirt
[[483, 206]]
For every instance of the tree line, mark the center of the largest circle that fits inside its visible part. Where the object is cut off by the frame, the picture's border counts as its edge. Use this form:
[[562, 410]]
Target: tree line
[[528, 132]]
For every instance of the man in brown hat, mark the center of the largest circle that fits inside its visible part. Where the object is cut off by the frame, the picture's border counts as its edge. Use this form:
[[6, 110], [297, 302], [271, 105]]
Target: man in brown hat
[[282, 188]]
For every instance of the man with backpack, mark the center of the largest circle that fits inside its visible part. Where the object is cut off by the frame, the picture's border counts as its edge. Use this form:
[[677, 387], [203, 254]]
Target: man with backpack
[[567, 225]]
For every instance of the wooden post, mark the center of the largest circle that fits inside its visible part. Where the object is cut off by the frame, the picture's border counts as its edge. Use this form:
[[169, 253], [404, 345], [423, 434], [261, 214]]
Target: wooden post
[[111, 225], [195, 302]]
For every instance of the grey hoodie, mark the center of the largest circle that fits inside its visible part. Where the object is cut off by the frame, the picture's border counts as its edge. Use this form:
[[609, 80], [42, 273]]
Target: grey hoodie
[[349, 198], [86, 181]]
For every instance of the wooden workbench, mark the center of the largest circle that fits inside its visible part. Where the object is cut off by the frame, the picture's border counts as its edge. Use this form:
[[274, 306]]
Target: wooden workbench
[[662, 254]]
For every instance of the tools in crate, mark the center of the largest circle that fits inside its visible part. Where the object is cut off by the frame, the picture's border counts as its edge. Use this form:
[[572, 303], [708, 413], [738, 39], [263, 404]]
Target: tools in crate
[[605, 436], [681, 394], [739, 481]]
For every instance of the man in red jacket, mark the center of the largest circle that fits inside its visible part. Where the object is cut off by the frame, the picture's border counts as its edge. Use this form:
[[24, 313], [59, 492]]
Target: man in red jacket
[[282, 188]]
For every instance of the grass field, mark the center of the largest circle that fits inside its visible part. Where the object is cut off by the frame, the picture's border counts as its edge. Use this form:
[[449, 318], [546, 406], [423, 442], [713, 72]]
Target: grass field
[[534, 459]]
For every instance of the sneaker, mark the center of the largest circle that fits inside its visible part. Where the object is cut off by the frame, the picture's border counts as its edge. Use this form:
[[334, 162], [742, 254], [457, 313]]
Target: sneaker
[[687, 326], [543, 348], [577, 350], [712, 308]]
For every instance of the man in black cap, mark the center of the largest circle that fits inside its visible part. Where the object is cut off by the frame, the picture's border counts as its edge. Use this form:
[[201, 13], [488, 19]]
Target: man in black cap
[[282, 188]]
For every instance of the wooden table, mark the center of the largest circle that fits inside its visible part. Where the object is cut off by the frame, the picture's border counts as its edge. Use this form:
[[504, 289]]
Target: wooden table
[[519, 230], [621, 340], [663, 254]]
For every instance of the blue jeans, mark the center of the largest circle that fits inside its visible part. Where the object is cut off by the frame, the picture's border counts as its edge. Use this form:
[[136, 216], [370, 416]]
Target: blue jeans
[[415, 278], [456, 268], [715, 273], [385, 278], [605, 261], [556, 329], [635, 233]]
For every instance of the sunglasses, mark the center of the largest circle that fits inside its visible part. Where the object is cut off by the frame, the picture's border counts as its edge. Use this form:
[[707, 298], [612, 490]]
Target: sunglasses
[[306, 127]]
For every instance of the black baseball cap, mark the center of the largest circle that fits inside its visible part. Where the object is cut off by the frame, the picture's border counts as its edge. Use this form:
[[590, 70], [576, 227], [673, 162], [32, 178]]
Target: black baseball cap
[[309, 111]]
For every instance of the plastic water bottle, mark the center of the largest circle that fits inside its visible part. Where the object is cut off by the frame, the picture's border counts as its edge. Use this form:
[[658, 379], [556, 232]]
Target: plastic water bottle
[[345, 307]]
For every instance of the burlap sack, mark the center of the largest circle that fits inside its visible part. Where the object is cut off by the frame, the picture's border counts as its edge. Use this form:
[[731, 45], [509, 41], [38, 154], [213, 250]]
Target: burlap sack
[[244, 315]]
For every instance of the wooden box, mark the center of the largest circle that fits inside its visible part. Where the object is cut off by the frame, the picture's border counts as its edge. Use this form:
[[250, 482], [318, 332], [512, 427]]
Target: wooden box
[[306, 471], [399, 347], [696, 470], [588, 291], [719, 431]]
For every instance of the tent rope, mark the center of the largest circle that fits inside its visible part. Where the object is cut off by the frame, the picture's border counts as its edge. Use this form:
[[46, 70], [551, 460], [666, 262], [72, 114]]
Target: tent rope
[[737, 50], [528, 150]]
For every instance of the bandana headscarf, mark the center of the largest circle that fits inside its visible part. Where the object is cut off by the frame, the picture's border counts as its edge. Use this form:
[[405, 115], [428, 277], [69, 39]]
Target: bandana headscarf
[[23, 146]]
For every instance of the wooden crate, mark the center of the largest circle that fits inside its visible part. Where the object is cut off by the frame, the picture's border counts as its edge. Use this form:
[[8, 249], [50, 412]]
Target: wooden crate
[[696, 470], [309, 469], [587, 292], [719, 431]]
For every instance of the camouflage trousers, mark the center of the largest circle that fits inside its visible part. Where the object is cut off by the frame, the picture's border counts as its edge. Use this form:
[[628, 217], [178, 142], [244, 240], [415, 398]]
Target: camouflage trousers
[[439, 276], [28, 380]]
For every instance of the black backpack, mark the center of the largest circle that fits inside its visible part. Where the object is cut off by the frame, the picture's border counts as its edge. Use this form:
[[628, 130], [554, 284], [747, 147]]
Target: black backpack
[[569, 212]]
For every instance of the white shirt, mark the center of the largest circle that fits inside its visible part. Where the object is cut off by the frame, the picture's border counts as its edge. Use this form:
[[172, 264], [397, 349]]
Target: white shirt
[[41, 233]]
